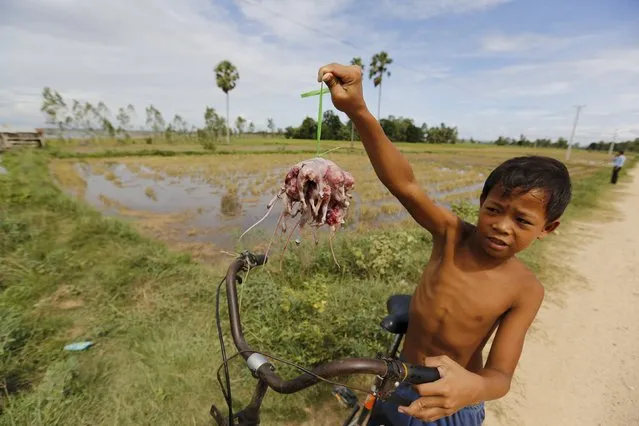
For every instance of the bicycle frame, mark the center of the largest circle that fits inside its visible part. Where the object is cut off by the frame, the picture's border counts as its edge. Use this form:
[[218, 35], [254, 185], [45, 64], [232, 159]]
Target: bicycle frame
[[365, 410], [389, 372]]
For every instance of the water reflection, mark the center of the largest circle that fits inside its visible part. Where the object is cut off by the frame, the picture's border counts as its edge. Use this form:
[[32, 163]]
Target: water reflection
[[196, 208]]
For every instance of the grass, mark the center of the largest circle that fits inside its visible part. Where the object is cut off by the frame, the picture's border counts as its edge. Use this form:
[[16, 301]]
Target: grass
[[149, 311], [150, 192], [67, 274]]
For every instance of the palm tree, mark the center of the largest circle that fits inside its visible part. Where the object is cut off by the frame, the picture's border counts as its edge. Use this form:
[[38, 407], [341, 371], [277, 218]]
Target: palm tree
[[379, 67], [226, 76], [355, 61]]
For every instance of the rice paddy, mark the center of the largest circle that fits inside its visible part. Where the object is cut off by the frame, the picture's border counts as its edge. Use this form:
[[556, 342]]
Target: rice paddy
[[213, 198]]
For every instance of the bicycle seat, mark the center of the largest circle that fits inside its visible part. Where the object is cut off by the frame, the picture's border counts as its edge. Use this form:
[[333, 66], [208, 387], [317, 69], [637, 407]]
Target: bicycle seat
[[397, 319]]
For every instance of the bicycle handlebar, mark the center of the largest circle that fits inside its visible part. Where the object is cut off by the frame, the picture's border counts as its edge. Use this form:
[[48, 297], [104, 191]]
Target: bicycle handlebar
[[258, 363], [390, 372], [394, 370]]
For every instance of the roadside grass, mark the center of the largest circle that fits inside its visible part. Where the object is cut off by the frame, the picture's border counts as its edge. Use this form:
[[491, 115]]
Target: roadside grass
[[68, 274]]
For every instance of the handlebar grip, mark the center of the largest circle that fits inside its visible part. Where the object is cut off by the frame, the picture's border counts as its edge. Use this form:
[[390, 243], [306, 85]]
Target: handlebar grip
[[260, 259], [418, 374]]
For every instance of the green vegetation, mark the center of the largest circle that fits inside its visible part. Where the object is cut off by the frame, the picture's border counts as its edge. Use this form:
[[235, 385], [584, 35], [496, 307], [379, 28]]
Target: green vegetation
[[68, 274]]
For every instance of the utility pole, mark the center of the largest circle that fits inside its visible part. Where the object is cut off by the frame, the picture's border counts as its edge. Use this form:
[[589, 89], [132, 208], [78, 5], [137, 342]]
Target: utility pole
[[612, 145], [572, 134]]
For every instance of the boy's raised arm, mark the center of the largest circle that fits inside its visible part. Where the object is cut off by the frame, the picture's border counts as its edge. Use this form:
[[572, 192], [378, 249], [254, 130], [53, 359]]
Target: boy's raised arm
[[391, 167]]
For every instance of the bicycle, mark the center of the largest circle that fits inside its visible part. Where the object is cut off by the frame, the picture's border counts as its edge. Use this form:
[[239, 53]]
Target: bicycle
[[389, 371]]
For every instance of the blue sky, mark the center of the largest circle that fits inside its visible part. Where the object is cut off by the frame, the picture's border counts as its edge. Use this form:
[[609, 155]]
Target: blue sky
[[489, 67]]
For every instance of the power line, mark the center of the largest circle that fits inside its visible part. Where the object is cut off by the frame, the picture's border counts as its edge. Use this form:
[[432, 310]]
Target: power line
[[308, 27], [294, 21]]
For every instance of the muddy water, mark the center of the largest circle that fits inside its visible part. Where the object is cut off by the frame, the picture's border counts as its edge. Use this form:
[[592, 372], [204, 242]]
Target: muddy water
[[193, 208]]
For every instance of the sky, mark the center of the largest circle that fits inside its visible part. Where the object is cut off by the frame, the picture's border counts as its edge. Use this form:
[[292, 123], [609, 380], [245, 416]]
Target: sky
[[488, 67]]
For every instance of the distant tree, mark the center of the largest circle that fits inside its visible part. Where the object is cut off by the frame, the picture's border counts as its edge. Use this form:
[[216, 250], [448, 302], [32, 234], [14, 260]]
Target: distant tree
[[271, 125], [226, 76], [523, 141], [290, 132], [412, 133], [379, 67], [251, 127], [389, 125], [240, 122], [307, 130], [154, 120], [561, 143], [55, 109], [331, 126], [179, 124], [103, 116], [501, 141], [442, 134], [214, 124], [84, 118], [124, 121]]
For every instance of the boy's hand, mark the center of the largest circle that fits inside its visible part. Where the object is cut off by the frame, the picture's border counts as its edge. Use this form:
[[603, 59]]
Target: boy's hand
[[456, 389], [345, 84]]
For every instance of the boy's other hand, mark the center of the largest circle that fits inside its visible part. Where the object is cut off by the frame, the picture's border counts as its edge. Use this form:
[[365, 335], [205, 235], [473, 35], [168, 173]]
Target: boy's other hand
[[456, 389], [345, 84]]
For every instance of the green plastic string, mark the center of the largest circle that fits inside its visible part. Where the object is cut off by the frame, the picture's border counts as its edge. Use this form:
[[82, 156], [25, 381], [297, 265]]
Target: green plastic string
[[319, 119], [319, 92]]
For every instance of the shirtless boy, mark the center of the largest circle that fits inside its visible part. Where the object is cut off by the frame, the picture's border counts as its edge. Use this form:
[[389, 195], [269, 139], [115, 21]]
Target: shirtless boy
[[473, 284]]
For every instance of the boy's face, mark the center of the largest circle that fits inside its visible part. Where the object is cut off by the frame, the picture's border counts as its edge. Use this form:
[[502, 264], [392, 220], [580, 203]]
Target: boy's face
[[507, 225]]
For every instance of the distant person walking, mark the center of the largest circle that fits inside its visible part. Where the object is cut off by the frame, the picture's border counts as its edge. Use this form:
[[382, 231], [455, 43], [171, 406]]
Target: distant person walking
[[617, 164]]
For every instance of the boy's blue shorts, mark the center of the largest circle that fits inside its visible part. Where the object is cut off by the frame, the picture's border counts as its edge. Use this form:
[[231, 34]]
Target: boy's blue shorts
[[385, 413]]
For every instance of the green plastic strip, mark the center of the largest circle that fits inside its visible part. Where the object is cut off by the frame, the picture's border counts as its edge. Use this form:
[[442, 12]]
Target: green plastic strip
[[315, 92], [319, 92], [319, 118]]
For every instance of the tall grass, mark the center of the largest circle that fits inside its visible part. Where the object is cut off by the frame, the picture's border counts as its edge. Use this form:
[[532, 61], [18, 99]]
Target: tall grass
[[69, 274]]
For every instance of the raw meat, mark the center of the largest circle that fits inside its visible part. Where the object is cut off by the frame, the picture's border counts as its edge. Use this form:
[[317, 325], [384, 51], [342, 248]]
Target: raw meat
[[319, 190]]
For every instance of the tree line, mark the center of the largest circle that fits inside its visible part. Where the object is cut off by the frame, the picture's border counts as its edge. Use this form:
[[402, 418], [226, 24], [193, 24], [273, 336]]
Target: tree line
[[629, 145], [91, 120], [399, 129]]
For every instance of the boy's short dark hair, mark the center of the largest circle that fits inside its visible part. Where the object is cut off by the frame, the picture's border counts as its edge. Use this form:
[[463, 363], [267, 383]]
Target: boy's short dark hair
[[620, 152], [523, 174]]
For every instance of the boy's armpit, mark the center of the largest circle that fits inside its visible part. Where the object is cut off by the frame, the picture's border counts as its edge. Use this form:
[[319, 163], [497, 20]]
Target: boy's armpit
[[436, 219], [509, 339]]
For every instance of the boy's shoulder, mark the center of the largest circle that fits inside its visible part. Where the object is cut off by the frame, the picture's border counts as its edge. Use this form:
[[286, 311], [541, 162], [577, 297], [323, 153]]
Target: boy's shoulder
[[528, 285]]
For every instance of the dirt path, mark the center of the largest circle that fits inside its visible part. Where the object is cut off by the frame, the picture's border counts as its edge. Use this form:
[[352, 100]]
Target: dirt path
[[581, 364]]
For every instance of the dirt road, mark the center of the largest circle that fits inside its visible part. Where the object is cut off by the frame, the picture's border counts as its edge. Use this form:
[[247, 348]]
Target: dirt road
[[580, 366]]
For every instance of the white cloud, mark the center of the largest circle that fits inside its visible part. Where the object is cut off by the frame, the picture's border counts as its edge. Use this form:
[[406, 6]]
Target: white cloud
[[299, 21], [422, 9], [143, 52], [163, 53]]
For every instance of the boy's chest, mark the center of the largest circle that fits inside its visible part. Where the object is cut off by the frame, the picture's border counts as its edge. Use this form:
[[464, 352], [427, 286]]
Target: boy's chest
[[459, 306]]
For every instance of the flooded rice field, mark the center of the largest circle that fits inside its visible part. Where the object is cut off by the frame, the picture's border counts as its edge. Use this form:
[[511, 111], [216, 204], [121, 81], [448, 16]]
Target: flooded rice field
[[205, 203]]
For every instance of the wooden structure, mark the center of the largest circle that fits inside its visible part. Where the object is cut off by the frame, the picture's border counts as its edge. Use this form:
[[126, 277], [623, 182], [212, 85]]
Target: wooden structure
[[11, 138]]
